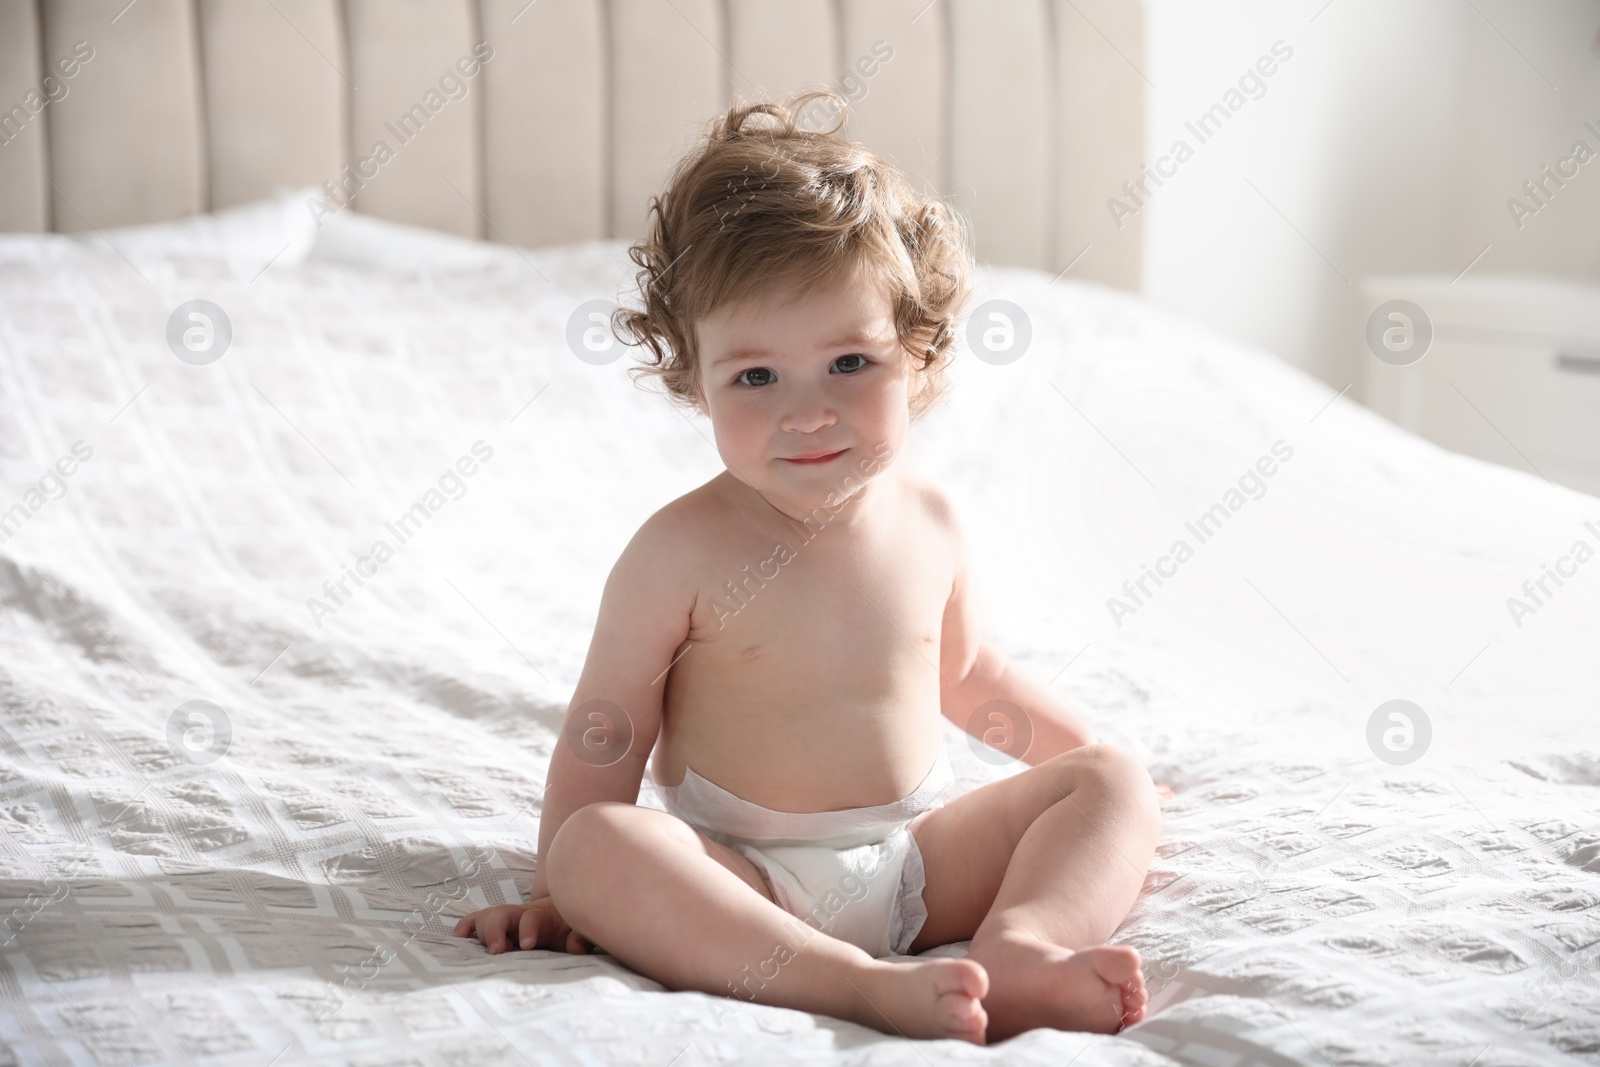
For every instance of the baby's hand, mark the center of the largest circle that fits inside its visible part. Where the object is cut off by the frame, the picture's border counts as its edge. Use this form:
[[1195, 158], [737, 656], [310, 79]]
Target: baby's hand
[[536, 924]]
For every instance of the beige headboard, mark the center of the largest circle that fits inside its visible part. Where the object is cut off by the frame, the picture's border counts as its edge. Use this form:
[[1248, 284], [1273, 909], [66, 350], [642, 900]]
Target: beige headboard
[[1027, 114]]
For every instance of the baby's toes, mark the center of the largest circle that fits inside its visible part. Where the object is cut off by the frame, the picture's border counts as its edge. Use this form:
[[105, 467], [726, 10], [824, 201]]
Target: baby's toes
[[964, 1016], [960, 987], [1117, 965], [1134, 999]]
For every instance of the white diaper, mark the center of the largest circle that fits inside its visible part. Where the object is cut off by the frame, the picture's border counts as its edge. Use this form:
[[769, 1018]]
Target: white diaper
[[854, 874]]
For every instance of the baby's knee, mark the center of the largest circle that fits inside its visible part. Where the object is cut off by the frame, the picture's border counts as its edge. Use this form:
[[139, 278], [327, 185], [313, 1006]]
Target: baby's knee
[[587, 835], [1135, 789], [1115, 768]]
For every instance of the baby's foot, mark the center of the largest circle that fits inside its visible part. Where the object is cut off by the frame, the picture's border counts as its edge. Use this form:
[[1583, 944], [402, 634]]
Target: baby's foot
[[928, 999], [1033, 984]]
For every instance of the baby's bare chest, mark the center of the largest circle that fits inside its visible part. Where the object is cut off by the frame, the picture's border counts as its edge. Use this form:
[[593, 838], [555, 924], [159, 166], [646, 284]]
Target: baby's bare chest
[[810, 653], [791, 607]]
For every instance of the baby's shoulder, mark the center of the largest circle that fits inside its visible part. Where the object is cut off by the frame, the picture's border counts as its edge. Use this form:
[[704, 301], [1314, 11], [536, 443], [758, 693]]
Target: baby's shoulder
[[932, 505], [684, 531], [680, 523]]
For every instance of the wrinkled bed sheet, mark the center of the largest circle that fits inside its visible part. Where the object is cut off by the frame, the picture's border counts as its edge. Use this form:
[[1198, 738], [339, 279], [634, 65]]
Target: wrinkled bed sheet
[[376, 763]]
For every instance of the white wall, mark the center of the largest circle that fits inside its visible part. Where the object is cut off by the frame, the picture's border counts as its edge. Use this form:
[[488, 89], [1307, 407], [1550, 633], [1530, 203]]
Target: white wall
[[1514, 121], [1390, 141]]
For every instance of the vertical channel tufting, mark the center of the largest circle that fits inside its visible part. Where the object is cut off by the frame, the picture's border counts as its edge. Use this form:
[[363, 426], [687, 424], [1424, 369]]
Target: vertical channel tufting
[[200, 105], [1101, 136], [836, 65], [544, 121], [1026, 116], [1052, 140], [347, 90], [411, 137], [725, 73], [1000, 128], [128, 149], [899, 106], [480, 187], [608, 118], [24, 115], [274, 95], [667, 84], [777, 49]]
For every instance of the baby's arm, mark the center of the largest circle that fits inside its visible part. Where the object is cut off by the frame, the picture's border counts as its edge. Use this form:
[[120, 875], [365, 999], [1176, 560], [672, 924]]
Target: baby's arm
[[612, 722], [642, 623], [973, 672], [1055, 723]]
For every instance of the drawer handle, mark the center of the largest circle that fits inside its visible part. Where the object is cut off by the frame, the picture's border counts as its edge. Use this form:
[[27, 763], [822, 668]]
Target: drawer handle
[[1579, 363]]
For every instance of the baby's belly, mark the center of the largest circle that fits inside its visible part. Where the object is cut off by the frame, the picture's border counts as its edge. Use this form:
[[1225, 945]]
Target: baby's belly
[[794, 737]]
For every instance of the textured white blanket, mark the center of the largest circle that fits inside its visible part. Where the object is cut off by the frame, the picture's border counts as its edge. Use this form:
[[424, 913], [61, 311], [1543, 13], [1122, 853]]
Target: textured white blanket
[[255, 765]]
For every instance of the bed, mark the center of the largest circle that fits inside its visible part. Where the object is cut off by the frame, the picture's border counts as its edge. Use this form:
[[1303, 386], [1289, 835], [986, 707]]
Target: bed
[[255, 767], [274, 870]]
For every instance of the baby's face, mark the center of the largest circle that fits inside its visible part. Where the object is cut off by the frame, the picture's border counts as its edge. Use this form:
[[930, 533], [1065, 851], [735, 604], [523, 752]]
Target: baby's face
[[784, 378]]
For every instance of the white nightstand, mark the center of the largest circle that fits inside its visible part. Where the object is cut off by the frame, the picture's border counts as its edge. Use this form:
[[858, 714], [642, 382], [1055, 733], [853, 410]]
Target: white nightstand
[[1512, 373]]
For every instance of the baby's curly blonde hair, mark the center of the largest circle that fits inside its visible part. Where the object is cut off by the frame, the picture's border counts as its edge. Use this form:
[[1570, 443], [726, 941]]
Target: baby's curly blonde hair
[[762, 203]]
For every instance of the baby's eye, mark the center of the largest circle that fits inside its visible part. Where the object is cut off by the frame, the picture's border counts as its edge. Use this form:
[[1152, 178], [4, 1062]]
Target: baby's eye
[[757, 371], [860, 361]]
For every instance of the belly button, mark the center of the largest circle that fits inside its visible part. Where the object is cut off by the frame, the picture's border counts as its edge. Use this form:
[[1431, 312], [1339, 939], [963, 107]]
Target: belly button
[[750, 653]]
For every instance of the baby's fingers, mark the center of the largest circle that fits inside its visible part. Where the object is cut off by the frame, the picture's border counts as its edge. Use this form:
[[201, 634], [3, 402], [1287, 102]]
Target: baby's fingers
[[494, 927], [530, 930]]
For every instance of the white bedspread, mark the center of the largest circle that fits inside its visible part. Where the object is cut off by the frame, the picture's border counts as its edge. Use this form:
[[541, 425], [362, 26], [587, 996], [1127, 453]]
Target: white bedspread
[[292, 901]]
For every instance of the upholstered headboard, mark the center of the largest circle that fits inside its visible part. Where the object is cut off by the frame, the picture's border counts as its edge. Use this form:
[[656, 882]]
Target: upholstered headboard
[[551, 121]]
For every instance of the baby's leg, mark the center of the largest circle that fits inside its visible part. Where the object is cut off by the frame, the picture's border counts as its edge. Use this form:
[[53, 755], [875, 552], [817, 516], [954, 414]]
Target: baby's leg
[[694, 915], [1038, 870]]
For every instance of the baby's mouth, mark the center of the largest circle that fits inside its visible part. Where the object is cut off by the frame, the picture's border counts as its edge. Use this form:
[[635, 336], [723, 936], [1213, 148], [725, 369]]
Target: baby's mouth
[[815, 458]]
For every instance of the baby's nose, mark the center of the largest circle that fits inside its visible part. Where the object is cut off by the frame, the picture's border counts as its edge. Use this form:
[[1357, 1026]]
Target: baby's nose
[[809, 418]]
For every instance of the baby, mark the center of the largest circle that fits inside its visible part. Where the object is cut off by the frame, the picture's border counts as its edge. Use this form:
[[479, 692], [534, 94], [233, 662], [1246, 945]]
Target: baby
[[782, 638]]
